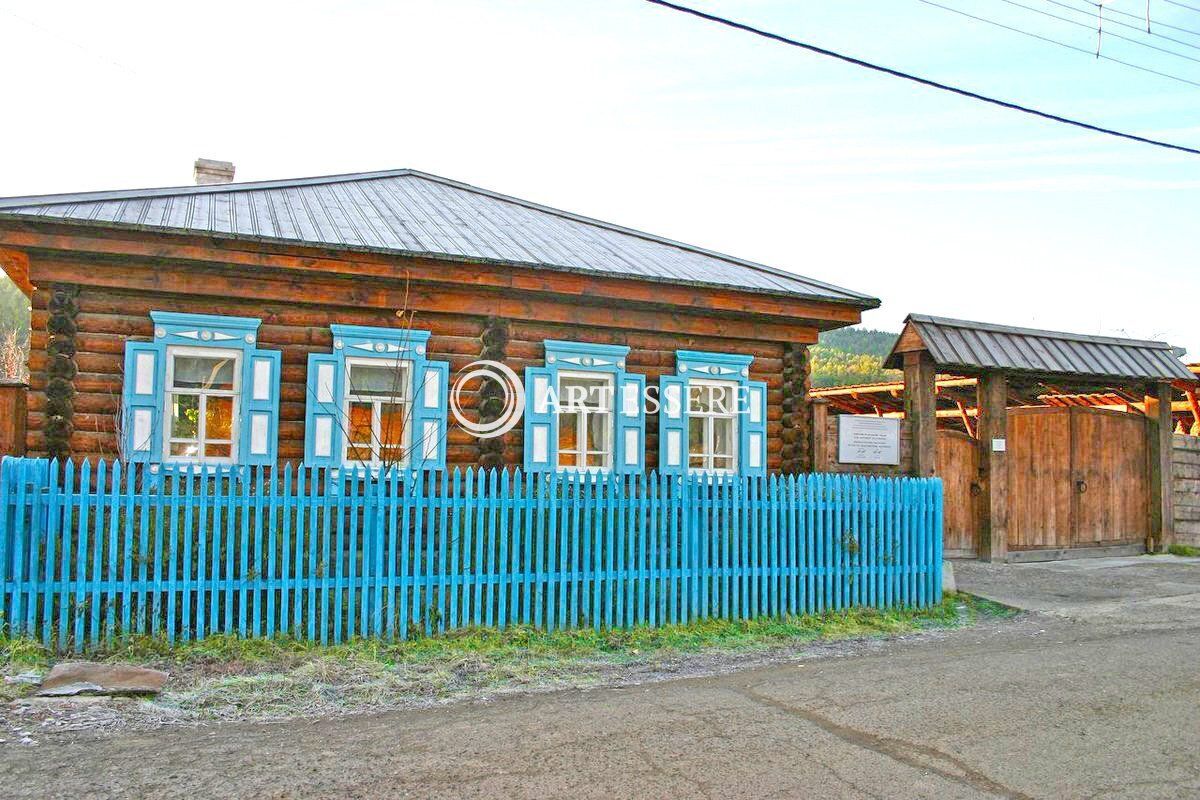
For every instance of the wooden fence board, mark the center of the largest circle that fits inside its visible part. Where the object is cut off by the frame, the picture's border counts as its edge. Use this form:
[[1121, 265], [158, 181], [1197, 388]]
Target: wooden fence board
[[328, 555]]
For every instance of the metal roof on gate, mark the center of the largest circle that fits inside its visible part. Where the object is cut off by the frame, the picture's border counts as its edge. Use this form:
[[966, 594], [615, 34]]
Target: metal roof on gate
[[413, 213], [956, 344]]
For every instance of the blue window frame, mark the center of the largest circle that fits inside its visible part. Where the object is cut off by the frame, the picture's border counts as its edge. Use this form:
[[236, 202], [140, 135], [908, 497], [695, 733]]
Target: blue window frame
[[712, 417], [376, 401], [201, 391], [583, 411]]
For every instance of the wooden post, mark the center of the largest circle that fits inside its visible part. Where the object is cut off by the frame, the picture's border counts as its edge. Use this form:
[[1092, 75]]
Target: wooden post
[[820, 422], [1162, 475], [992, 425], [12, 418], [920, 408]]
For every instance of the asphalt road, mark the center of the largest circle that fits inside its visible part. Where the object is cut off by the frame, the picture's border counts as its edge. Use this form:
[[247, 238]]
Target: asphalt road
[[1056, 703]]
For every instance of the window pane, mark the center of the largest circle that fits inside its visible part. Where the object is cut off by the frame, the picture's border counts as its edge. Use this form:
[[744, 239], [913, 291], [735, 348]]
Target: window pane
[[218, 418], [360, 423], [391, 455], [597, 432], [358, 453], [583, 393], [721, 399], [203, 372], [597, 460], [568, 436], [185, 416], [218, 450], [386, 379], [722, 462], [722, 443], [696, 435], [391, 424], [185, 449], [696, 462]]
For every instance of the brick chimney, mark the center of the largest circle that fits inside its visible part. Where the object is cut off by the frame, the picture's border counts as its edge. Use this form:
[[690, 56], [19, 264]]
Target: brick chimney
[[207, 171]]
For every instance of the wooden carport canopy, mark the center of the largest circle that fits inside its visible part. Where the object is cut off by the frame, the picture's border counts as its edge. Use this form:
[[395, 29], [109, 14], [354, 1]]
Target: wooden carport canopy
[[1007, 361]]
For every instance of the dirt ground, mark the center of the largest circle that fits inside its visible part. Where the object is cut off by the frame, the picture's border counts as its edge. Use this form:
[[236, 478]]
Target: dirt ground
[[1099, 700]]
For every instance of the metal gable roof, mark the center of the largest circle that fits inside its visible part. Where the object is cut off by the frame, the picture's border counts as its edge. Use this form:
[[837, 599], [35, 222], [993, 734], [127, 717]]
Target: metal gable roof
[[414, 213], [960, 344]]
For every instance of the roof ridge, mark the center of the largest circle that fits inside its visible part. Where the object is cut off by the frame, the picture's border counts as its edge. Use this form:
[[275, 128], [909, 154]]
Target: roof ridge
[[996, 327], [211, 188]]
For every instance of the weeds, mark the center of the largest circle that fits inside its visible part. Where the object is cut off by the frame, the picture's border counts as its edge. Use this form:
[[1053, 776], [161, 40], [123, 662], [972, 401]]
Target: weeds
[[227, 677], [1185, 550]]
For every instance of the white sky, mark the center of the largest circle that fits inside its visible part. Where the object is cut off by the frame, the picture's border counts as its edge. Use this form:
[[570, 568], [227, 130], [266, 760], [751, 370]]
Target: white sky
[[652, 119]]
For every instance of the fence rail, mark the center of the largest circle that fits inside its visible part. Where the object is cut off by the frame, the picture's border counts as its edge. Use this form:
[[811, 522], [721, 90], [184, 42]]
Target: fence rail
[[89, 555]]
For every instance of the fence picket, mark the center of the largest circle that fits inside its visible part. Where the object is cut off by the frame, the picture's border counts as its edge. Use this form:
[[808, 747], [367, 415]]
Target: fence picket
[[90, 556]]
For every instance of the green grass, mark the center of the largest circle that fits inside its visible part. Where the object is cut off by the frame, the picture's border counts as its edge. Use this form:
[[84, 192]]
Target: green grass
[[1185, 550], [224, 676]]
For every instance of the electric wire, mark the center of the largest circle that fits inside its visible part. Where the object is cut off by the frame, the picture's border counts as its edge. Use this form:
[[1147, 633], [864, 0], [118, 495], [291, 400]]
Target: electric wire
[[917, 79], [1048, 40], [1106, 33]]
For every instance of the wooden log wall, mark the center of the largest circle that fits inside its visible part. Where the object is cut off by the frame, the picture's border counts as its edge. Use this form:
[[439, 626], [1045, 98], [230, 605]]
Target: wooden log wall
[[109, 315], [1186, 455]]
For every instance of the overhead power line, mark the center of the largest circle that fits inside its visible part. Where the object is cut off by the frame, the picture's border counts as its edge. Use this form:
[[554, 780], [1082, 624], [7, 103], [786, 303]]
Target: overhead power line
[[1048, 40], [1183, 5], [917, 79], [1123, 38], [1137, 28], [1107, 10]]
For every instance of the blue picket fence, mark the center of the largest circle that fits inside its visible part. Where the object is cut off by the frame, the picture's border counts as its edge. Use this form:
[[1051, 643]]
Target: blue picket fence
[[89, 555]]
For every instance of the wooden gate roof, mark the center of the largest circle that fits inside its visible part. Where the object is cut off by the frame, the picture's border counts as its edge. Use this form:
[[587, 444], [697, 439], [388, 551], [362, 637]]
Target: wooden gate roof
[[961, 346], [413, 213]]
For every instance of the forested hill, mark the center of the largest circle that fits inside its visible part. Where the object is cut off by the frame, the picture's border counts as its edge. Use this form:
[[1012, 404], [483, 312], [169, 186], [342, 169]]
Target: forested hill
[[852, 355]]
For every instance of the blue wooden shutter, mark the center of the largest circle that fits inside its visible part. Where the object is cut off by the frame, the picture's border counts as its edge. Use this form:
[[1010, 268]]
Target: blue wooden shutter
[[672, 425], [753, 419], [629, 453], [323, 411], [427, 444], [260, 408], [142, 395], [541, 421]]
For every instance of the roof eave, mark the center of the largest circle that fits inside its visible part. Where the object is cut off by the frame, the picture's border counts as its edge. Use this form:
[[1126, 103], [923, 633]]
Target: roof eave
[[862, 302]]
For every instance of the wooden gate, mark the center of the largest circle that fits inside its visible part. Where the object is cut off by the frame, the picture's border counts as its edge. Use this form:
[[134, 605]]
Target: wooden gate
[[958, 467], [1077, 477]]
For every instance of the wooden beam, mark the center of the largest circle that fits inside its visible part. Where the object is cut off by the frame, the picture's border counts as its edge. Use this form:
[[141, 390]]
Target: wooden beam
[[942, 413], [162, 248], [342, 290], [993, 466], [966, 418], [920, 408], [895, 389], [820, 448], [1161, 431]]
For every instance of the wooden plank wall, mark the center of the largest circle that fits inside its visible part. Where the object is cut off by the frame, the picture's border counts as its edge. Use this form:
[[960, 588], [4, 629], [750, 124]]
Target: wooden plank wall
[[958, 467], [110, 316], [1110, 456], [1186, 454], [12, 417], [1039, 478]]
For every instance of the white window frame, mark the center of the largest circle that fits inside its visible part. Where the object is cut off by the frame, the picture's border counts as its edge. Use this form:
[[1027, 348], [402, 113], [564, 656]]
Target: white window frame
[[377, 400], [706, 452], [581, 423], [169, 393]]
